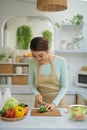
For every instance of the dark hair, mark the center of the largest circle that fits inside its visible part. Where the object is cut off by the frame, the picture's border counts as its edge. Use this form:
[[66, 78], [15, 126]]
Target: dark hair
[[39, 44]]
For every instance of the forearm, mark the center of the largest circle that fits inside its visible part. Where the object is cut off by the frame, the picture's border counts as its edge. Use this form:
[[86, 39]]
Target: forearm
[[60, 95]]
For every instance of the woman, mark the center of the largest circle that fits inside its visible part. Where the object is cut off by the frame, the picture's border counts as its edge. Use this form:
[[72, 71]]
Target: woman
[[48, 77]]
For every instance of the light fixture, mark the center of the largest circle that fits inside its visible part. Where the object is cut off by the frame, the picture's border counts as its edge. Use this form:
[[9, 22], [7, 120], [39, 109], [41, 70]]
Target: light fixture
[[51, 5]]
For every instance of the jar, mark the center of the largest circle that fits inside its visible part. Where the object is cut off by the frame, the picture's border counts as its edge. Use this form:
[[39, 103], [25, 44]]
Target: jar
[[19, 70], [9, 80], [25, 69], [3, 80], [63, 45]]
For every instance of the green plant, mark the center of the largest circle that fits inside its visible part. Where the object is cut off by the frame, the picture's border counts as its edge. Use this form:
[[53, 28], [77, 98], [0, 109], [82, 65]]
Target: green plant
[[78, 39], [78, 19], [58, 25], [10, 56], [24, 36], [47, 34], [2, 56]]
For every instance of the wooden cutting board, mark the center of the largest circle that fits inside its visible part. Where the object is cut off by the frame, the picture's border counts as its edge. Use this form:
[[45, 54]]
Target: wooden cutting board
[[36, 112]]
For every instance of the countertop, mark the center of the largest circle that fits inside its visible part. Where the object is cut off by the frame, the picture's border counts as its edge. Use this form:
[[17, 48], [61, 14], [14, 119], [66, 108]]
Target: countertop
[[24, 89], [45, 122]]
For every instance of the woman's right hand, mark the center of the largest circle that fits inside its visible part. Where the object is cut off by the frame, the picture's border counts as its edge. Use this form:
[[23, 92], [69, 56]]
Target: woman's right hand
[[38, 98]]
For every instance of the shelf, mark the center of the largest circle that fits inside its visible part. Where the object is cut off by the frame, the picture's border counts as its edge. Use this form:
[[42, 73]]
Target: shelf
[[71, 51], [71, 25], [13, 74], [15, 63], [20, 63]]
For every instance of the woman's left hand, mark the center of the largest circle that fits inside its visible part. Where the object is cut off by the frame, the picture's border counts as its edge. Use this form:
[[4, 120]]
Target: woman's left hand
[[50, 107]]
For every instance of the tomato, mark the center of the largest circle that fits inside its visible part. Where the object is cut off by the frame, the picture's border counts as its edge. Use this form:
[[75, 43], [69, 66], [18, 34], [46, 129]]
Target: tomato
[[9, 113]]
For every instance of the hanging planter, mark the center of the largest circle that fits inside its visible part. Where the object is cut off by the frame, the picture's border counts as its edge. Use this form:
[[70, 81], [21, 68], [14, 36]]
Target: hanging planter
[[24, 36]]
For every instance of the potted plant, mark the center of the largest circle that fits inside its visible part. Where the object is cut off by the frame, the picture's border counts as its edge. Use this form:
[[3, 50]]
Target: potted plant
[[76, 20], [2, 56], [10, 58], [47, 34], [24, 36]]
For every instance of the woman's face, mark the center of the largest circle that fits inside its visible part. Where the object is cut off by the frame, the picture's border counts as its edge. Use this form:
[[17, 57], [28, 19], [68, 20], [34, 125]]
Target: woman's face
[[40, 56]]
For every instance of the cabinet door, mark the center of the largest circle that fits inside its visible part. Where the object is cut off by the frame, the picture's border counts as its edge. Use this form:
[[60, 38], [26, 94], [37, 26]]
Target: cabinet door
[[80, 100], [70, 99], [27, 99]]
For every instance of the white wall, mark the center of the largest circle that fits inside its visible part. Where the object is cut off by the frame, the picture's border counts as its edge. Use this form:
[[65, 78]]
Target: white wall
[[10, 8]]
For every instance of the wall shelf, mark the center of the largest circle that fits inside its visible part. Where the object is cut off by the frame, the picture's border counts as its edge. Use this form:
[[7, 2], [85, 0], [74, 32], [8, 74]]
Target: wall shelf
[[71, 51], [15, 74]]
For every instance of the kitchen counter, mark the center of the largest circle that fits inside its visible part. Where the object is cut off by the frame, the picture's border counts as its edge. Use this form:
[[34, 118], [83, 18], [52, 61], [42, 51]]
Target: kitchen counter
[[24, 89], [45, 122]]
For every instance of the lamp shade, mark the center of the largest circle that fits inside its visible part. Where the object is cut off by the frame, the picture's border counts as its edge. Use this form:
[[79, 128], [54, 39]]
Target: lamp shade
[[51, 5]]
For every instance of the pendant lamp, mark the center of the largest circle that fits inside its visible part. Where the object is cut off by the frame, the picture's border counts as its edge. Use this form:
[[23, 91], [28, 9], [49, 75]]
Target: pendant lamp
[[51, 5]]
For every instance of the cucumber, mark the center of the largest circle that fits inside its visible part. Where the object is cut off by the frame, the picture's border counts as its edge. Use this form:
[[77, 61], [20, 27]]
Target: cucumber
[[43, 109]]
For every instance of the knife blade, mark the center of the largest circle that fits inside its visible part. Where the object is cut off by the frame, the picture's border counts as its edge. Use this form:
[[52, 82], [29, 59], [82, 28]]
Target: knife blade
[[43, 103]]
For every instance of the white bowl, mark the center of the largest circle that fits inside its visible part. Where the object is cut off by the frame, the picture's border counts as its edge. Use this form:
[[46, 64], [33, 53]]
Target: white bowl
[[78, 112]]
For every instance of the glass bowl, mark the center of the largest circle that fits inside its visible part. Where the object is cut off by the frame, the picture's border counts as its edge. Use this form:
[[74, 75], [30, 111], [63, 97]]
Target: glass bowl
[[78, 112]]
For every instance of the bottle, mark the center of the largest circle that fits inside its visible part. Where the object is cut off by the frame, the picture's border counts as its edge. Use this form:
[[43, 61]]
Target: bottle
[[7, 95], [0, 100]]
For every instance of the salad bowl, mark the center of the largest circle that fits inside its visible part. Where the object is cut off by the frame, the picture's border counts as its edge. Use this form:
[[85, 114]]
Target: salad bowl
[[78, 112]]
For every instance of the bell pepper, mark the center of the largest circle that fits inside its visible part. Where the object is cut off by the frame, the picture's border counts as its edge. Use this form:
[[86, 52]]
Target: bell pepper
[[19, 111], [9, 113], [25, 106]]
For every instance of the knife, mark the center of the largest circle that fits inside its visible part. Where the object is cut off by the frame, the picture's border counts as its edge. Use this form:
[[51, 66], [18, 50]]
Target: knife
[[43, 103]]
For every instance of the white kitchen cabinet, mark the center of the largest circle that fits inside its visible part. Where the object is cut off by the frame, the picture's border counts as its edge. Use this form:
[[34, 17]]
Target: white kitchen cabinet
[[29, 99], [81, 100], [25, 98], [75, 99], [70, 99]]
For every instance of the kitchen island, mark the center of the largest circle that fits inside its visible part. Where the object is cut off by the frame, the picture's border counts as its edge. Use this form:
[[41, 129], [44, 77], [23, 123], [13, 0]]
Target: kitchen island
[[62, 122]]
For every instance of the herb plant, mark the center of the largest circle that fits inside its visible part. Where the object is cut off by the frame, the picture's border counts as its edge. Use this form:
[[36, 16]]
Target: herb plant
[[47, 34], [24, 36]]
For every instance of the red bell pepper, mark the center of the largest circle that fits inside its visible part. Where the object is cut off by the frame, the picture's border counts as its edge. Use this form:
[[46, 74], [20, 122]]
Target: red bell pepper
[[10, 113]]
